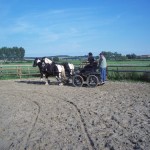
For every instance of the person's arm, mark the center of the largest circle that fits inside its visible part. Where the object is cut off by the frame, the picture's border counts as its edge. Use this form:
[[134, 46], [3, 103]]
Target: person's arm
[[98, 62]]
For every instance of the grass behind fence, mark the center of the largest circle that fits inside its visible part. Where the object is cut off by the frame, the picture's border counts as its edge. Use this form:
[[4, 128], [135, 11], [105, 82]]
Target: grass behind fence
[[26, 70], [18, 71], [129, 76], [128, 71]]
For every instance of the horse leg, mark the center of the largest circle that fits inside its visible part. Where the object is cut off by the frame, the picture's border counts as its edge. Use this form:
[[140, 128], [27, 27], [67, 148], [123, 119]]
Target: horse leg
[[58, 77], [58, 80], [46, 80], [41, 76], [61, 79]]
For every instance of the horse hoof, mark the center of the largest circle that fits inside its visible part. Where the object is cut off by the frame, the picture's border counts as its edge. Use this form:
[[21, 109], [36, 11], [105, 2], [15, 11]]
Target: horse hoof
[[60, 84]]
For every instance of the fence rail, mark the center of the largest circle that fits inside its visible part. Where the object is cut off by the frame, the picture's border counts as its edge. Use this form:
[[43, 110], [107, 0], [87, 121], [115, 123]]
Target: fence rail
[[18, 70], [124, 68], [27, 70], [128, 71]]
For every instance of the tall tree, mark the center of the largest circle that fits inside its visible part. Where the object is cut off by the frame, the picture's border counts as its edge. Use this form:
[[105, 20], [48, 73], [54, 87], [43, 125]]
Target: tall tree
[[14, 53]]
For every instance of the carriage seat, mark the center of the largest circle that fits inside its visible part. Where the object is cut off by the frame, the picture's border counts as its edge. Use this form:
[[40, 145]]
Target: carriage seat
[[90, 67]]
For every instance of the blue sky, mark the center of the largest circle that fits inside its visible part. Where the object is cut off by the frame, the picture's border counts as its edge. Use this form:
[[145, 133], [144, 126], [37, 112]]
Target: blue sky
[[75, 27]]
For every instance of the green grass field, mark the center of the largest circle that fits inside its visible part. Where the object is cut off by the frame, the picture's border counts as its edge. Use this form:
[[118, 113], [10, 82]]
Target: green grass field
[[110, 62], [12, 70], [130, 62], [78, 62]]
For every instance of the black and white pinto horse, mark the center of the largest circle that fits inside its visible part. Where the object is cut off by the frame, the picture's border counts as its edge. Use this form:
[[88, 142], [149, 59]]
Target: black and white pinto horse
[[49, 68], [69, 69]]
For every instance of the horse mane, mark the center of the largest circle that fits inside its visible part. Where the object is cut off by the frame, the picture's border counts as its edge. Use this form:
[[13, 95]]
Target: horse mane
[[47, 60]]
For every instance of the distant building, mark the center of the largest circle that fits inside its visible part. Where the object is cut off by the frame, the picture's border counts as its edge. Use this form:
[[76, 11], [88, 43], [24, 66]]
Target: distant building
[[145, 56]]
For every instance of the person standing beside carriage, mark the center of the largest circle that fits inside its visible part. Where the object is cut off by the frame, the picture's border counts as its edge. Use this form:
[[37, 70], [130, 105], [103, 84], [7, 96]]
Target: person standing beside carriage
[[102, 65]]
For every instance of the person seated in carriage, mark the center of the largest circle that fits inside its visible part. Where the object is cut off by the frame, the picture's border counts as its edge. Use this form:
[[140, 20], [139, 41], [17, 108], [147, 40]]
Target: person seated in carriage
[[92, 64], [90, 59]]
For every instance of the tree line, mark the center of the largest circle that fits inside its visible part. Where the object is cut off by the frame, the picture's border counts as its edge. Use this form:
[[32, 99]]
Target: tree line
[[12, 54], [114, 56], [18, 53], [118, 56], [109, 56]]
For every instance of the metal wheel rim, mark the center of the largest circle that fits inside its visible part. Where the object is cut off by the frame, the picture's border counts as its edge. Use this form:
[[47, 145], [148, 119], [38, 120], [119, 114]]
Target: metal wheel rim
[[92, 81], [77, 81]]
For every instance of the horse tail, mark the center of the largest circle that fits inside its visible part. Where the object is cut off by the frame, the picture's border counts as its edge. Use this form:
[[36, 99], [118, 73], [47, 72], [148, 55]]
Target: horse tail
[[63, 72], [71, 66]]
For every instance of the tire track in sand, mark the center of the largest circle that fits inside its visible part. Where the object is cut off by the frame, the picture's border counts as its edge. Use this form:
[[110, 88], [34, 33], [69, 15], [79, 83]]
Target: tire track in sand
[[26, 139], [83, 125]]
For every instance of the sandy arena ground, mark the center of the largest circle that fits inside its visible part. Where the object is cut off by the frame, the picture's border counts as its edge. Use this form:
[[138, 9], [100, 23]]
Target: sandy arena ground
[[33, 116]]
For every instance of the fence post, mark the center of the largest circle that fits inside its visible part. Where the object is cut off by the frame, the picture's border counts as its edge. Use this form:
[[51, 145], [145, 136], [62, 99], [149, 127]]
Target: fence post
[[1, 71], [28, 72], [20, 71], [17, 70], [107, 72]]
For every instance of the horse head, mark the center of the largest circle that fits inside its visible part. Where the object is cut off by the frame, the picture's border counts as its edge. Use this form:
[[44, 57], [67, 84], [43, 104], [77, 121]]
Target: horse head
[[36, 62]]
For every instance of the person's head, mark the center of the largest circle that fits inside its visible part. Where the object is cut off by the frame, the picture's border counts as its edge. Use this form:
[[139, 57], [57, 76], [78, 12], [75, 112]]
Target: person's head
[[101, 54], [90, 54]]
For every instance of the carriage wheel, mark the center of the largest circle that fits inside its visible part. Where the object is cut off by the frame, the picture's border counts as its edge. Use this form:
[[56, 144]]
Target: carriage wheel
[[77, 81], [92, 81]]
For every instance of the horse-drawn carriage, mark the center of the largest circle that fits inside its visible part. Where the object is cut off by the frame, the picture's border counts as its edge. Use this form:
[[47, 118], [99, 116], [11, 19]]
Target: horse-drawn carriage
[[86, 74]]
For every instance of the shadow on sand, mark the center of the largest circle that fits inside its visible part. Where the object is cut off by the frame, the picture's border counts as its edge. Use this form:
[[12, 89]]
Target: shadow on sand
[[41, 82]]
